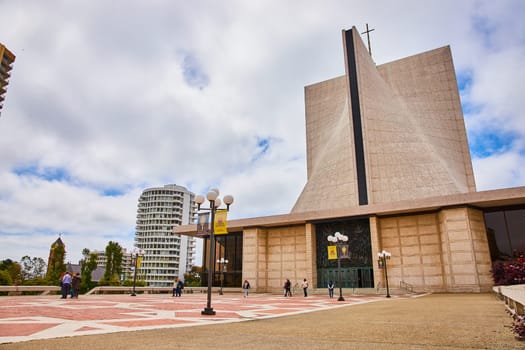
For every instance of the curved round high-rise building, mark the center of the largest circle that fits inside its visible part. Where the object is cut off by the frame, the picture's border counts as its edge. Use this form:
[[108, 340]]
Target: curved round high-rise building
[[6, 64], [166, 255]]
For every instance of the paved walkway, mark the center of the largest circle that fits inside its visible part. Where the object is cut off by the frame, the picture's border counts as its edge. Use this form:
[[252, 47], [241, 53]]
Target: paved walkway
[[24, 318], [121, 322]]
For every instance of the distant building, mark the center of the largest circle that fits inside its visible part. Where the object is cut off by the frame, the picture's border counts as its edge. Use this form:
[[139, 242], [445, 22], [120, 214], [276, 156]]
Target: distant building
[[6, 64], [127, 263], [167, 255], [96, 275]]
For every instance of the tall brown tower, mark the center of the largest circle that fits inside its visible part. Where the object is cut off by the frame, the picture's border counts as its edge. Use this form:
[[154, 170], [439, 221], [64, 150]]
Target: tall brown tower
[[55, 263], [6, 64]]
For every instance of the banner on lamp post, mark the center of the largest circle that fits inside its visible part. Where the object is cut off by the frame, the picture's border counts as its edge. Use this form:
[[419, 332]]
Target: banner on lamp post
[[139, 262], [332, 252], [219, 227], [343, 253], [203, 225]]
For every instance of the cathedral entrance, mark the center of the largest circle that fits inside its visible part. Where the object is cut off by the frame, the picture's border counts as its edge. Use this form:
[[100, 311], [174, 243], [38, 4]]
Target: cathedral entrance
[[356, 272]]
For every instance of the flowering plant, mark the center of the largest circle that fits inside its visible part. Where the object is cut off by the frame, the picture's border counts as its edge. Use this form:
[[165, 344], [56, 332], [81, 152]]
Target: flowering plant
[[511, 271], [518, 327]]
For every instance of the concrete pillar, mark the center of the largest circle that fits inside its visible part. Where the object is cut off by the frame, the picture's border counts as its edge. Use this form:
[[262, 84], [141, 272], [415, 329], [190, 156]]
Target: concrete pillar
[[466, 254], [254, 258]]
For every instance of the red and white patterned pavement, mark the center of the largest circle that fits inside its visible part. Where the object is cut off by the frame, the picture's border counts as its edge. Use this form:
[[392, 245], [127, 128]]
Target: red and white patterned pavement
[[24, 318]]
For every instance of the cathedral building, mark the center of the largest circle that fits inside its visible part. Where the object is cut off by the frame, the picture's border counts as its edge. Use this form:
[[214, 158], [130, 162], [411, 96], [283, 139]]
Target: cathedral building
[[388, 165]]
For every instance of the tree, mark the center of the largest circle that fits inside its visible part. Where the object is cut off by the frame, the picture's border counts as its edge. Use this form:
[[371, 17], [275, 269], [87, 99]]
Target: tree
[[113, 263], [193, 278], [89, 264], [5, 278], [13, 269], [32, 268], [4, 264]]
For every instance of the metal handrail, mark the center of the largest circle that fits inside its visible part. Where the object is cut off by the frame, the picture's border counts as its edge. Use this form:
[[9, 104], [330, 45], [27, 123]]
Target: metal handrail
[[406, 286]]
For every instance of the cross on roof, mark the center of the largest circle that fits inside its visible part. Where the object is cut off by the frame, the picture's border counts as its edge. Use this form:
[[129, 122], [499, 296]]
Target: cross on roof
[[367, 32]]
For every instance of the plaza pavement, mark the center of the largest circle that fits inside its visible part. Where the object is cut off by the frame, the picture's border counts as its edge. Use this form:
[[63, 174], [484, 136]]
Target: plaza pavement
[[158, 321], [25, 318]]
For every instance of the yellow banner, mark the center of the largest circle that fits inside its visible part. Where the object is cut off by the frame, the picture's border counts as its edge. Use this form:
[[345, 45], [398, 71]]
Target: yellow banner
[[332, 252], [139, 261], [219, 226]]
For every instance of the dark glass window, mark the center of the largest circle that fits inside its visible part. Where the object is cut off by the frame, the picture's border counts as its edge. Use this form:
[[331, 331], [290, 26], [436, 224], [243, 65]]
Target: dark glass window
[[228, 247], [505, 232]]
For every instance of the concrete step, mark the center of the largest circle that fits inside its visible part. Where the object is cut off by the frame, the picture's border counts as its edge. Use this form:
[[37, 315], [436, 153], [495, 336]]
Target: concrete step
[[362, 291]]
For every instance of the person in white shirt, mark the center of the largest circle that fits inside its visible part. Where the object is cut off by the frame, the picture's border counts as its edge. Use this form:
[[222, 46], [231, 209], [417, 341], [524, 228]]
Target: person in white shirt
[[305, 287]]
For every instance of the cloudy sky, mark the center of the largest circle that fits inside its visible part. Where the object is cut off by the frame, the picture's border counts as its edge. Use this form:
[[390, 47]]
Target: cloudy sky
[[108, 98]]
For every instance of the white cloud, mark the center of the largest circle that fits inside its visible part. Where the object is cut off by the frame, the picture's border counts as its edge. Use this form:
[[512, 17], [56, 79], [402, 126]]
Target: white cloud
[[500, 171], [98, 90]]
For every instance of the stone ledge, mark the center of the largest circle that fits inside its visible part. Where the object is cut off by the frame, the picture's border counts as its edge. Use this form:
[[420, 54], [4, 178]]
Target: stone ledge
[[17, 290], [514, 298]]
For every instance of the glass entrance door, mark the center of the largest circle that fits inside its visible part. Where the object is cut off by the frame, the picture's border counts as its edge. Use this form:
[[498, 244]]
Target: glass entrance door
[[351, 277], [356, 272]]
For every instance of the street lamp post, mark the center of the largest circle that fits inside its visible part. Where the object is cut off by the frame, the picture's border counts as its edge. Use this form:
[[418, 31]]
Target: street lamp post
[[222, 267], [215, 203], [382, 258], [135, 255], [340, 241]]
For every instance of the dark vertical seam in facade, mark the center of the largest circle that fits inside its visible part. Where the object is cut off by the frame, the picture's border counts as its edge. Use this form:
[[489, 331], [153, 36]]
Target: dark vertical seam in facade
[[356, 120]]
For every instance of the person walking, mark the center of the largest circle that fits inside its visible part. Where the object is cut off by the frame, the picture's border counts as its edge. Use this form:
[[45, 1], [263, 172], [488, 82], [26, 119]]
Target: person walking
[[305, 287], [245, 287], [66, 285], [179, 288], [75, 285], [331, 289], [174, 289], [287, 288], [71, 290], [62, 284]]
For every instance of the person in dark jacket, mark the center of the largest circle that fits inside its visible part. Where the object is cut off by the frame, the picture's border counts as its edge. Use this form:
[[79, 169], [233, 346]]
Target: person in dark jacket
[[287, 288], [178, 285], [245, 288], [76, 285]]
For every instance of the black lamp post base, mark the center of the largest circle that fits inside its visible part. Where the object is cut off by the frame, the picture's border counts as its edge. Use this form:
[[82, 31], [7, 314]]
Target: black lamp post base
[[133, 294], [388, 295], [220, 292], [341, 298], [208, 311]]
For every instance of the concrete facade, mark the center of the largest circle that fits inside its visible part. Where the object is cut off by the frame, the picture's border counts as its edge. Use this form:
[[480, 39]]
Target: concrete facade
[[443, 251], [413, 134], [438, 244], [271, 254], [385, 144]]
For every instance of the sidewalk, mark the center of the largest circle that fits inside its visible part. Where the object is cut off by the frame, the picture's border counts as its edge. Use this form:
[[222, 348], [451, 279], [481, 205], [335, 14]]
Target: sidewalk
[[447, 321], [43, 317]]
